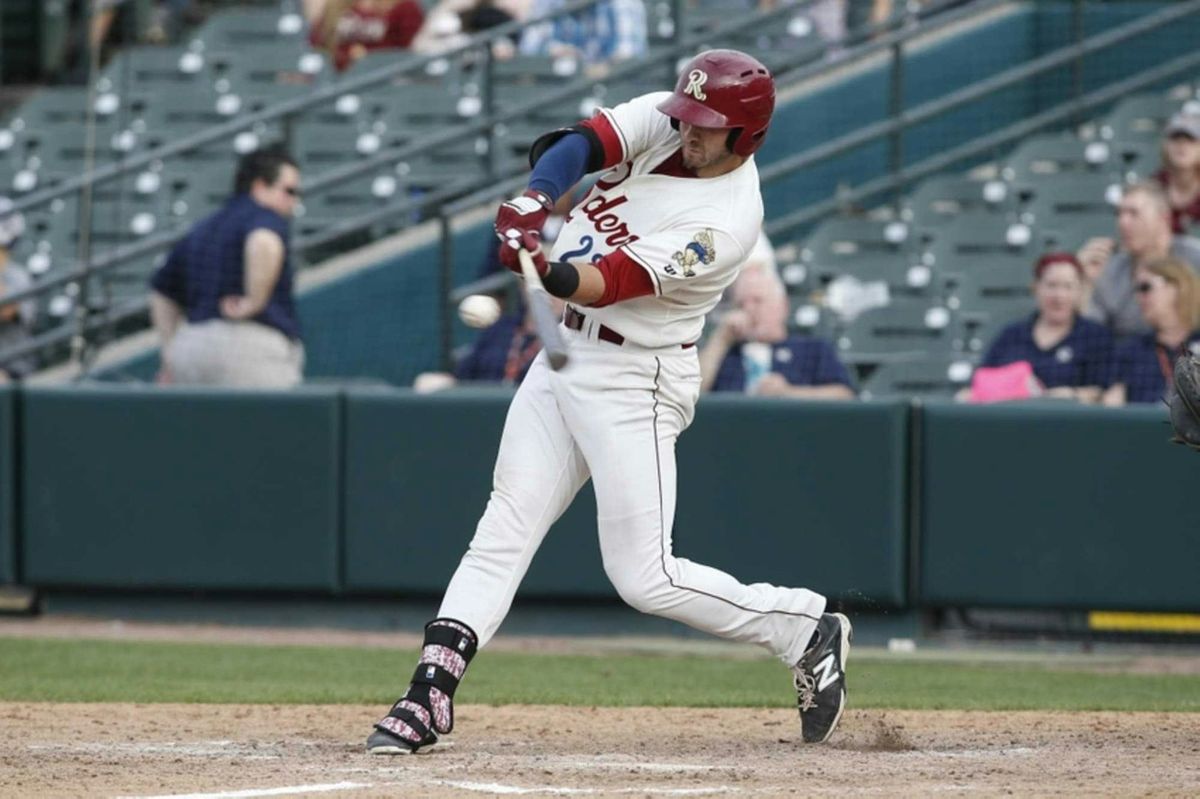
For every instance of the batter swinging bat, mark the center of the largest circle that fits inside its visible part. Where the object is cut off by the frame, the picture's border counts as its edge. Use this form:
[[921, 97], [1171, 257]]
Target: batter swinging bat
[[543, 317]]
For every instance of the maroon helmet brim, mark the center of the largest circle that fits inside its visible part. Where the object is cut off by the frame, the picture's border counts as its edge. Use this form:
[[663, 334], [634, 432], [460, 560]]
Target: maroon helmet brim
[[692, 112]]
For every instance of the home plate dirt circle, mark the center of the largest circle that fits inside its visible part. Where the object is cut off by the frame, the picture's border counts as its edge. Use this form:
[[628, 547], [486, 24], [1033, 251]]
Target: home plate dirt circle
[[232, 751]]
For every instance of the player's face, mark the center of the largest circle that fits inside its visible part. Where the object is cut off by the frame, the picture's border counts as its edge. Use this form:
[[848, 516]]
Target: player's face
[[1059, 292], [704, 149]]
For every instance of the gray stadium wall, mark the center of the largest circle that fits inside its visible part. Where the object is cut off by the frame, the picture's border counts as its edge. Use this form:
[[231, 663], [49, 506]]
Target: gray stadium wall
[[154, 488], [1051, 507], [8, 487]]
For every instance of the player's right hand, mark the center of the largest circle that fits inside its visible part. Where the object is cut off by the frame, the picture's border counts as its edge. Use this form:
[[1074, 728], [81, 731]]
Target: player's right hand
[[526, 240], [525, 213]]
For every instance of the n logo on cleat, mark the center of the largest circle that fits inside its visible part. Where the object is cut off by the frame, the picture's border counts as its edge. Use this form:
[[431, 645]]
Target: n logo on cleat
[[827, 670]]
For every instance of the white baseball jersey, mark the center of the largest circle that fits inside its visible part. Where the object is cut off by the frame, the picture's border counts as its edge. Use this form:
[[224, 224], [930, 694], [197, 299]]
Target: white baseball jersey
[[689, 233]]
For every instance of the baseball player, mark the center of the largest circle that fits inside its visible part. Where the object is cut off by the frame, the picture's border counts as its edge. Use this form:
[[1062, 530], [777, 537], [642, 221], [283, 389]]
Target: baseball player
[[640, 260]]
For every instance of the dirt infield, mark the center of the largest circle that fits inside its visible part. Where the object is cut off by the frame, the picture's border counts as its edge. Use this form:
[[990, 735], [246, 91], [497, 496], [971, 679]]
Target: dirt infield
[[262, 750]]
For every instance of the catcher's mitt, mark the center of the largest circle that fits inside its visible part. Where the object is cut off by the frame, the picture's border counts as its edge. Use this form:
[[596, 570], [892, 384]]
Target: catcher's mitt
[[1185, 401]]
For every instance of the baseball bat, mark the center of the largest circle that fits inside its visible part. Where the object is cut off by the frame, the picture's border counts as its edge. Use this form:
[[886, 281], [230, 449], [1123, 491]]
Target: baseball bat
[[543, 317]]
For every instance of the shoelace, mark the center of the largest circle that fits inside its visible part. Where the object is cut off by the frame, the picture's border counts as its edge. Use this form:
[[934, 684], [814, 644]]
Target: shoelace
[[806, 686]]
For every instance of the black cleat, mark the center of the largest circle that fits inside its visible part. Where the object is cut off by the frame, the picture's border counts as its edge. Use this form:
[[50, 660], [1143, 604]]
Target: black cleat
[[820, 679]]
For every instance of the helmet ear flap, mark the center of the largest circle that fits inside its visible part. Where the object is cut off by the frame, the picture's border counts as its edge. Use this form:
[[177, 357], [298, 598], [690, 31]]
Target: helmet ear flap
[[731, 139], [674, 123]]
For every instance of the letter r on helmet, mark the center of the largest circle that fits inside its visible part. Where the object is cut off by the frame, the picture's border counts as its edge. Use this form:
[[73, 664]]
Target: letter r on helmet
[[696, 80]]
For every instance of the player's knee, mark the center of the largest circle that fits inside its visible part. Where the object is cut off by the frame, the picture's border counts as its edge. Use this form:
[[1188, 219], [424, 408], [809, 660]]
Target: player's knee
[[644, 592]]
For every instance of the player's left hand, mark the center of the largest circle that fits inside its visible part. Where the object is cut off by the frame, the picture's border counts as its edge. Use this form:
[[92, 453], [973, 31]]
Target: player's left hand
[[530, 242], [527, 212]]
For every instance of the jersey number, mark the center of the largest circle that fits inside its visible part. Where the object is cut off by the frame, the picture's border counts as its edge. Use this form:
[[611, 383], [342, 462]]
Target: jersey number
[[585, 247]]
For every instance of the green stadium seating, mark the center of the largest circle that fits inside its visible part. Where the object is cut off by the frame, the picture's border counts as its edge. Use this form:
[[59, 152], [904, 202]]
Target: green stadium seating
[[1138, 118], [941, 376], [910, 326], [940, 198]]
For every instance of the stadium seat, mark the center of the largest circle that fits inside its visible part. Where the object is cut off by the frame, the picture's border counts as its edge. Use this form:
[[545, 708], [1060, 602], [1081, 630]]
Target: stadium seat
[[1138, 118], [1075, 206], [147, 66], [245, 29], [911, 326], [1051, 155], [941, 376], [939, 199]]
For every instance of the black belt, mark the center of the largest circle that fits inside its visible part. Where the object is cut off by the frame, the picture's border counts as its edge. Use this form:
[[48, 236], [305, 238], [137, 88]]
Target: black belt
[[573, 319]]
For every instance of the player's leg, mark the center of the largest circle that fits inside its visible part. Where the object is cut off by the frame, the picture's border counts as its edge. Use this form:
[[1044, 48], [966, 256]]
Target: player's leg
[[629, 443], [539, 469]]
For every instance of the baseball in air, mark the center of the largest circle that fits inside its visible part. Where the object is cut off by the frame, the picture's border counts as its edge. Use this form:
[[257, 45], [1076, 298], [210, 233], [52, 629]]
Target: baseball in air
[[479, 310]]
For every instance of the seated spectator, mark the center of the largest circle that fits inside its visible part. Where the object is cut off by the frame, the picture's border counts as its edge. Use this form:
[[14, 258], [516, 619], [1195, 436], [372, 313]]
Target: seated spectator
[[451, 23], [1144, 226], [1180, 173], [750, 349], [16, 318], [1071, 356], [1168, 294], [608, 32], [222, 302], [349, 29], [502, 354]]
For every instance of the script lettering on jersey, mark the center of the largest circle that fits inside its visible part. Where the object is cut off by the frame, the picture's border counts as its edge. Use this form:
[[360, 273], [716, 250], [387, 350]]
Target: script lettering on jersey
[[600, 211]]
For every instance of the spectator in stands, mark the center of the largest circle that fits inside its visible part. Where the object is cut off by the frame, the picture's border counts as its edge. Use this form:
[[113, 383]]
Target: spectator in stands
[[450, 23], [1180, 173], [605, 33], [16, 318], [1144, 226], [1071, 356], [501, 354], [349, 29], [1168, 294], [222, 302], [750, 349]]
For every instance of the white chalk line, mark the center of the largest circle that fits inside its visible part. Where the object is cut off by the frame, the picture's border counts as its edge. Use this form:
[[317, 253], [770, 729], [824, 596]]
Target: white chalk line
[[516, 790], [327, 787], [494, 788]]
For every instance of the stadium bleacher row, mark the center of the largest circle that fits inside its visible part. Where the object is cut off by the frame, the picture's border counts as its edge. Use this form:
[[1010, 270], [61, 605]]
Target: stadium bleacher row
[[955, 254], [245, 60]]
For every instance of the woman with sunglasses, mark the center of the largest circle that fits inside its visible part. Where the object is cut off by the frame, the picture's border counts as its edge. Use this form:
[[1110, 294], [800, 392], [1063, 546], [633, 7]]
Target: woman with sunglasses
[[1168, 294], [1070, 355]]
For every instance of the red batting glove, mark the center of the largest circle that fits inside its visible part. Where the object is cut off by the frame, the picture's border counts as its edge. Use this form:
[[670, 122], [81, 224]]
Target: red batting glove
[[527, 212], [531, 242]]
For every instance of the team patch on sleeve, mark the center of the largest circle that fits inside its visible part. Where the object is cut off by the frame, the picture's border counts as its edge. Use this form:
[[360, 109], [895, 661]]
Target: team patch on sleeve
[[700, 250]]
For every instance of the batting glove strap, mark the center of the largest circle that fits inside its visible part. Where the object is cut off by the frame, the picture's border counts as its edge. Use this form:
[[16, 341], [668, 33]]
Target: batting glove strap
[[531, 202]]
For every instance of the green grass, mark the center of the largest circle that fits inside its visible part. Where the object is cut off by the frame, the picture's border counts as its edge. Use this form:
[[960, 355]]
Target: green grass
[[107, 671]]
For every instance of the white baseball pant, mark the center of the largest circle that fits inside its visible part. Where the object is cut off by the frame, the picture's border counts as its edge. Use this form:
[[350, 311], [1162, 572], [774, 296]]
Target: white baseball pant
[[614, 415]]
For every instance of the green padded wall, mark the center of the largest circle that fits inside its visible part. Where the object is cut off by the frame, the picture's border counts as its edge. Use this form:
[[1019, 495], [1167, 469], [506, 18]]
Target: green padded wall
[[1057, 507], [418, 476], [8, 442], [181, 489], [809, 494], [795, 493]]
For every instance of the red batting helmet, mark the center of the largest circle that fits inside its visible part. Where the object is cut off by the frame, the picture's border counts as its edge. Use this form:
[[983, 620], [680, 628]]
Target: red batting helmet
[[725, 89]]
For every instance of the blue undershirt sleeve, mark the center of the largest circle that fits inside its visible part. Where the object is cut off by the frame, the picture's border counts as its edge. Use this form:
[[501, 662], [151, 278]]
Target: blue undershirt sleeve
[[561, 166]]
